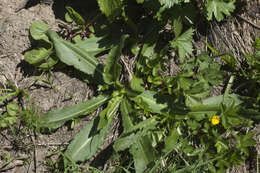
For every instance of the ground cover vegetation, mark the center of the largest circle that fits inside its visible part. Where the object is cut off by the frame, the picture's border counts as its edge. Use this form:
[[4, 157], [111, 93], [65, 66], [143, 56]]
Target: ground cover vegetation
[[170, 122]]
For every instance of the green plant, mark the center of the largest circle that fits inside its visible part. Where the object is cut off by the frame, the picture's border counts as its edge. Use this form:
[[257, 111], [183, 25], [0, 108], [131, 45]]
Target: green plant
[[169, 119]]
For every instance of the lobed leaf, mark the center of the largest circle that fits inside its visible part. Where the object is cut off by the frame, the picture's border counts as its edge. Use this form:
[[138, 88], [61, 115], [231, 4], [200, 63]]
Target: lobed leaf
[[218, 8], [111, 8], [183, 43]]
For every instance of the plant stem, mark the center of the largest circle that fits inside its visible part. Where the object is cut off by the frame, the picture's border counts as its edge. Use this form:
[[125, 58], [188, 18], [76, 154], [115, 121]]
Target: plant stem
[[229, 85]]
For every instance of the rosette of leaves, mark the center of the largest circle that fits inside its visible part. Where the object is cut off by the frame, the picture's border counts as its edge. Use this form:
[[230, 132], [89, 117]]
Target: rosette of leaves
[[161, 117]]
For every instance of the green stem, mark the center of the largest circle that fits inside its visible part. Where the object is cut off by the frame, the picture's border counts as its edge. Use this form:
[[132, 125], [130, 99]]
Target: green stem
[[229, 85]]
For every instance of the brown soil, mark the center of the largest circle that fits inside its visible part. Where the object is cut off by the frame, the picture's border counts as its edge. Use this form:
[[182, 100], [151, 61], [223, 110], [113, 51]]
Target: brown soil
[[237, 35]]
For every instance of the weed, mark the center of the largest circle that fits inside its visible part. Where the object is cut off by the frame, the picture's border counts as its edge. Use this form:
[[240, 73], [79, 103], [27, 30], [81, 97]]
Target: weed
[[170, 123]]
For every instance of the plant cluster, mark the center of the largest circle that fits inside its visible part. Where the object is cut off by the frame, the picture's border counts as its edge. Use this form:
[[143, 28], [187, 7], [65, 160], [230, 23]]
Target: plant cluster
[[170, 123]]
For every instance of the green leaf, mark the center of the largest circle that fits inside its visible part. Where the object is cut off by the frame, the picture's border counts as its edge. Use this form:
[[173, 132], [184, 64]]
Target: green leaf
[[113, 106], [95, 45], [56, 118], [75, 56], [12, 109], [183, 42], [126, 113], [113, 68], [68, 18], [245, 140], [110, 110], [221, 146], [218, 8], [41, 57], [75, 16], [147, 124], [169, 3], [111, 8], [171, 140], [213, 103], [128, 138], [150, 101], [143, 154], [137, 84], [87, 142], [177, 25], [38, 31]]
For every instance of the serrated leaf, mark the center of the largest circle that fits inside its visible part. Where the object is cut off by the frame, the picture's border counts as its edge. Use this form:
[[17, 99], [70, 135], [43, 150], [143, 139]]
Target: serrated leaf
[[57, 118], [75, 56], [113, 68], [245, 140], [177, 27], [169, 3], [147, 124], [183, 43], [128, 137], [86, 143], [111, 8], [150, 101], [137, 84], [38, 31], [218, 8]]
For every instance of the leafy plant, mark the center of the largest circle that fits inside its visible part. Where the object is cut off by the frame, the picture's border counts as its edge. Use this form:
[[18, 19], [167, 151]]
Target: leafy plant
[[165, 118]]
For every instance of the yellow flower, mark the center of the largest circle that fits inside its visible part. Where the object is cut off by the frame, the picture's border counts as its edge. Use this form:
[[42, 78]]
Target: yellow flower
[[215, 120]]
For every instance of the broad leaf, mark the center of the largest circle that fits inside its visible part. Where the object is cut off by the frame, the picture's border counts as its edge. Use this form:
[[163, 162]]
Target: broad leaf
[[87, 142], [75, 56], [218, 8], [95, 45], [41, 57], [111, 8], [171, 140], [143, 154], [198, 109], [113, 68], [56, 118], [183, 42], [38, 31]]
